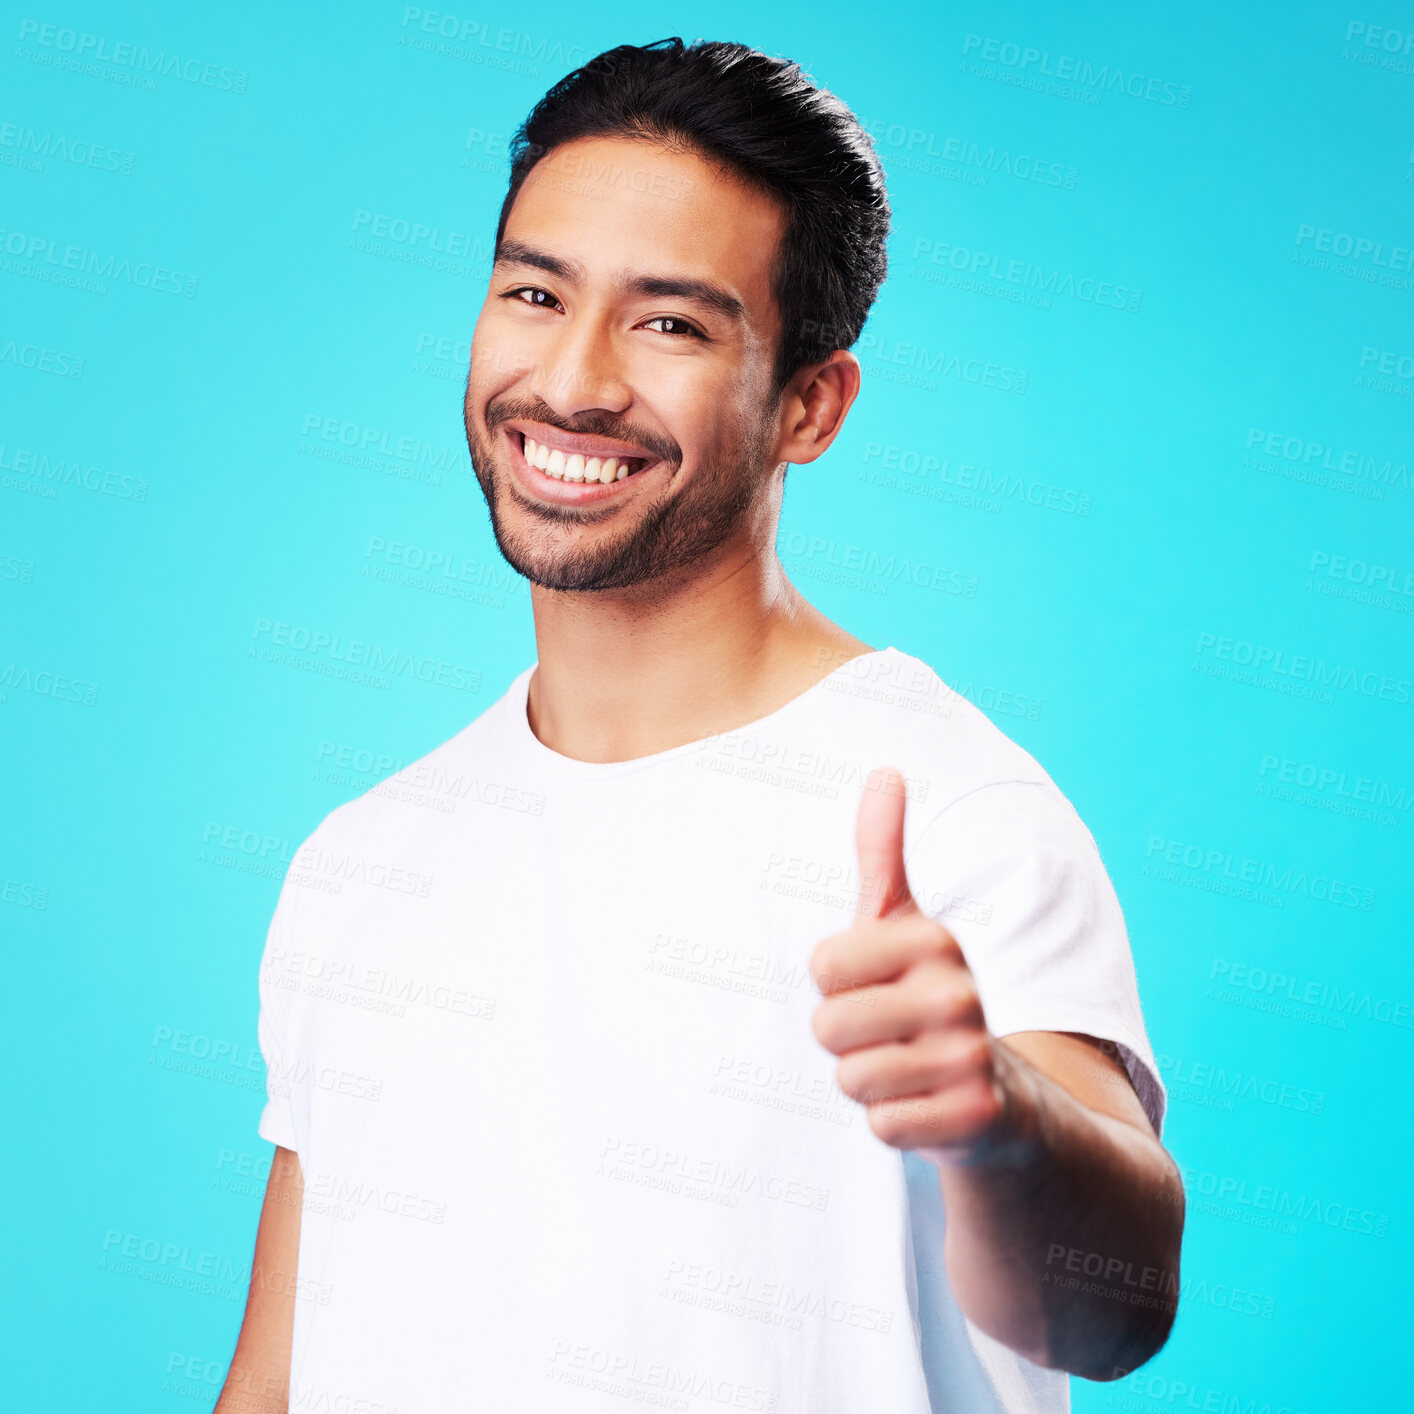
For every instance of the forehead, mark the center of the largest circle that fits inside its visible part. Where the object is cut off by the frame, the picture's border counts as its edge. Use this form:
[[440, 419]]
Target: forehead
[[636, 205]]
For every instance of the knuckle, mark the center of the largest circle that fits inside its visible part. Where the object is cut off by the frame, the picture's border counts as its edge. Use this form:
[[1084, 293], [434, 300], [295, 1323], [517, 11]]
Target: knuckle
[[976, 1053], [826, 1025], [969, 1003], [941, 1000], [887, 1123], [940, 942], [981, 1105], [937, 1051], [851, 1077]]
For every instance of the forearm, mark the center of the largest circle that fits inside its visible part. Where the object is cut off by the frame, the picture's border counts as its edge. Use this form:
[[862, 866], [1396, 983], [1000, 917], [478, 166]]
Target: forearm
[[258, 1381], [1063, 1236], [251, 1389]]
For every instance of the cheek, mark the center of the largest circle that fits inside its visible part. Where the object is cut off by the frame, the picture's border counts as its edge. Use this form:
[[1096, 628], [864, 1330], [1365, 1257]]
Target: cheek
[[501, 352], [699, 408]]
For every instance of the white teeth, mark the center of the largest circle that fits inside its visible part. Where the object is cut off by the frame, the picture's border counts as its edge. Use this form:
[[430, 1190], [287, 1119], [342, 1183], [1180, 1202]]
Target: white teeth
[[573, 467], [535, 453]]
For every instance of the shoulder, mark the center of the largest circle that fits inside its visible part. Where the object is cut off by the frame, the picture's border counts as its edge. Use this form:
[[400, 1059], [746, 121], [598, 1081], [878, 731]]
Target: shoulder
[[434, 783], [947, 747]]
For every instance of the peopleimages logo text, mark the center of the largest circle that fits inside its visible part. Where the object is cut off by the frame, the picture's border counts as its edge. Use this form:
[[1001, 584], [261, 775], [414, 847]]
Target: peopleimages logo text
[[1261, 873], [126, 54], [1304, 668], [1105, 78], [317, 643], [1355, 247]]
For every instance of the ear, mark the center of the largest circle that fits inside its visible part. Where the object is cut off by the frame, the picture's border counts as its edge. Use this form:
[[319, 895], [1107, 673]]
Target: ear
[[814, 404]]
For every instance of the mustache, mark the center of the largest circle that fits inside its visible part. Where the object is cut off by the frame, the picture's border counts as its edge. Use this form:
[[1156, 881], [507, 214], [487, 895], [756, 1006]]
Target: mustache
[[595, 423]]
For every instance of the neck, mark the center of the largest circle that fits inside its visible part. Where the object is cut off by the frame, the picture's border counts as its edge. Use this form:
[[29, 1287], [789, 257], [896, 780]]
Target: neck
[[626, 673]]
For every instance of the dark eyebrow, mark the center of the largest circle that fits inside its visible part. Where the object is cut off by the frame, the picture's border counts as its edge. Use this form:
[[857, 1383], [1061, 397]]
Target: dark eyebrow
[[518, 253], [702, 292]]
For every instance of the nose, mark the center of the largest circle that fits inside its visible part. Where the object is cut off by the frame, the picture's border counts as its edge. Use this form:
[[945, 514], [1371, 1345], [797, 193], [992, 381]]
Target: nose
[[582, 367]]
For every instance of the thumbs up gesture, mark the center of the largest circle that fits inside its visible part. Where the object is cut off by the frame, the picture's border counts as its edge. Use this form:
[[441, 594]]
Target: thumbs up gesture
[[901, 1009]]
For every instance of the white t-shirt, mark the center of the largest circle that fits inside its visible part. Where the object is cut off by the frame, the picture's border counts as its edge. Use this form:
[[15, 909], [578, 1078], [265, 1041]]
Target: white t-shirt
[[539, 1030]]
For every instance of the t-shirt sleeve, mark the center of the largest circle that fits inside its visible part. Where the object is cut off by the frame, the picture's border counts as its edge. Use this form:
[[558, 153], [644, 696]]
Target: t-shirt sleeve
[[1012, 872], [276, 1121]]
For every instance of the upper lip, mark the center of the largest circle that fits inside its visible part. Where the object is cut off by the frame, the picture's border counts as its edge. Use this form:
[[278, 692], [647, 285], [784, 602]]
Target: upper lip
[[581, 442]]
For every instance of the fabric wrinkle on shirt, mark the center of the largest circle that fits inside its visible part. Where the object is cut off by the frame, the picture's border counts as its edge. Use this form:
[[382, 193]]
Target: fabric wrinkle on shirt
[[539, 1031]]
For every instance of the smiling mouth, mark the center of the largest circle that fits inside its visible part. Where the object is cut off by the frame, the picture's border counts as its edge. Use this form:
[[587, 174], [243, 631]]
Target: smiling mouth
[[574, 467]]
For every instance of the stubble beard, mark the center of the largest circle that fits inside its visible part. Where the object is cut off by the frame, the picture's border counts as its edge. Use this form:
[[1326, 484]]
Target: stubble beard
[[674, 534]]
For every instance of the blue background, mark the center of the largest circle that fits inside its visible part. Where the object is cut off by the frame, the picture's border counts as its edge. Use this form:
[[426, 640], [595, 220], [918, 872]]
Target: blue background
[[177, 478]]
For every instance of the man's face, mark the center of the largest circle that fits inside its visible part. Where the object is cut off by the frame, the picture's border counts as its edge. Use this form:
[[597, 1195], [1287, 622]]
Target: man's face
[[630, 316]]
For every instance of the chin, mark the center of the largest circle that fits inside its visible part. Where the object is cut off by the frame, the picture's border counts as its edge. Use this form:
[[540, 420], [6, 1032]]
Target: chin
[[521, 537]]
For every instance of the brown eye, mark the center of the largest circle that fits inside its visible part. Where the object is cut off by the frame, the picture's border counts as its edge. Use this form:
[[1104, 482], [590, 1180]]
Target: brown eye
[[677, 327], [539, 299]]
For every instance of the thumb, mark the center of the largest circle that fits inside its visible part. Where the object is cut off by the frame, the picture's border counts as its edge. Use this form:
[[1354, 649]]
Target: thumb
[[883, 884]]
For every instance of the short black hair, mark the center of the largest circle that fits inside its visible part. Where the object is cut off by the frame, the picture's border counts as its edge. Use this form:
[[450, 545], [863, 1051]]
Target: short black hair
[[764, 120]]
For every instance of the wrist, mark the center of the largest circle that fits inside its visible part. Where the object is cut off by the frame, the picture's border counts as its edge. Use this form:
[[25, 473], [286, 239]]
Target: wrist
[[1013, 1138]]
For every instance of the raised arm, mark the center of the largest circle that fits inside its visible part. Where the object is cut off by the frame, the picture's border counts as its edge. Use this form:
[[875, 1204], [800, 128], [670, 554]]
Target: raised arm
[[1064, 1227], [1064, 1211]]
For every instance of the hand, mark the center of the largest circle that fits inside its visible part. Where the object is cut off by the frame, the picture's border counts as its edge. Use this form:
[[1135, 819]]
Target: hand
[[901, 1008]]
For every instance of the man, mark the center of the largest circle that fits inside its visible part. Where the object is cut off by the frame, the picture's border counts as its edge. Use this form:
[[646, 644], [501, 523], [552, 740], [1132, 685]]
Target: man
[[644, 1045]]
